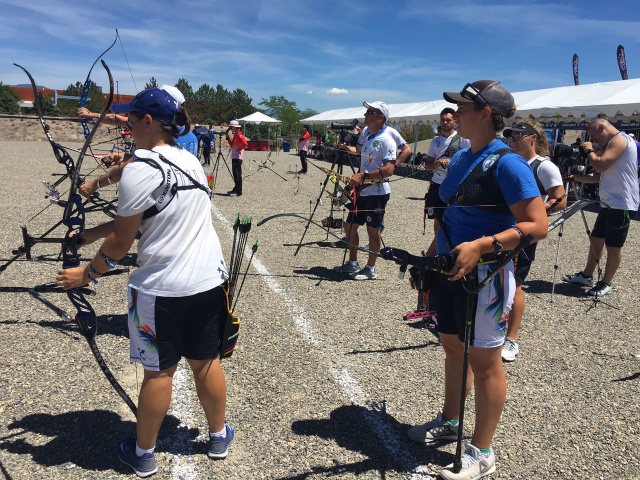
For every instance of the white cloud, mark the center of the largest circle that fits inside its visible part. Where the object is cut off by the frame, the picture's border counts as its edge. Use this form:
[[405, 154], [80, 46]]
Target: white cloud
[[309, 92], [338, 91]]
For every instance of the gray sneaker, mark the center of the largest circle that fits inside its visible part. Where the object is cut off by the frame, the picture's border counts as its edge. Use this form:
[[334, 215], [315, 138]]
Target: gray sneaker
[[348, 267], [143, 466], [434, 431], [475, 465], [219, 447], [365, 274], [510, 349], [580, 278]]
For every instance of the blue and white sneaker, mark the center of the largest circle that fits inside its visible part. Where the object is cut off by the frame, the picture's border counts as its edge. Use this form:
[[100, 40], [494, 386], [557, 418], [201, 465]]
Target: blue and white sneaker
[[219, 447], [367, 273], [143, 466]]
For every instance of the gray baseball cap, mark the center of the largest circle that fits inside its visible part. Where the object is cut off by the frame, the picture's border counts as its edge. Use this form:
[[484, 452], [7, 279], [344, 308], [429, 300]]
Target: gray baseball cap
[[484, 92]]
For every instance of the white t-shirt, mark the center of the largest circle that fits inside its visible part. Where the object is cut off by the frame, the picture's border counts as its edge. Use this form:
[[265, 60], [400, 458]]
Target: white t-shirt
[[376, 149], [548, 174], [179, 253], [619, 184], [437, 149]]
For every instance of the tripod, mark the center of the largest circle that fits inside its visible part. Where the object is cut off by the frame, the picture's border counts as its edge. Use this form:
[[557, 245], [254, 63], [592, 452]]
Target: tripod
[[568, 212], [216, 164], [338, 160], [265, 165]]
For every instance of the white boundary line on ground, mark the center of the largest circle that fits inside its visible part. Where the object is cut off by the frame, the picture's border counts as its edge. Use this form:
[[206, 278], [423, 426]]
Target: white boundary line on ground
[[340, 372]]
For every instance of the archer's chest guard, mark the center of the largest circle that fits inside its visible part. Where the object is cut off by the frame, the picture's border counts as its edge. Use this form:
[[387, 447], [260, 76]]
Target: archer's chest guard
[[480, 187]]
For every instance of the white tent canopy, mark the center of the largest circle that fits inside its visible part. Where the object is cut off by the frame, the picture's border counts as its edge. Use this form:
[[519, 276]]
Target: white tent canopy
[[257, 118], [617, 98]]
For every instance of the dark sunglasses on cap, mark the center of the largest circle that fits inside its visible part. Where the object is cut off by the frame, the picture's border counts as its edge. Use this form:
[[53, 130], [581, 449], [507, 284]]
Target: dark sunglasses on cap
[[372, 112], [473, 94], [520, 136]]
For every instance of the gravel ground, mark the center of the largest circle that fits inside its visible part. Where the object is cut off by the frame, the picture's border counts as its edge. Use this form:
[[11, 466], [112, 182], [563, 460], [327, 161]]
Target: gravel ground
[[327, 377]]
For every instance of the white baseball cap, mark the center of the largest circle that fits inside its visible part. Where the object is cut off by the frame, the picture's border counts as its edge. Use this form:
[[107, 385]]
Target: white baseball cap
[[174, 92], [380, 106]]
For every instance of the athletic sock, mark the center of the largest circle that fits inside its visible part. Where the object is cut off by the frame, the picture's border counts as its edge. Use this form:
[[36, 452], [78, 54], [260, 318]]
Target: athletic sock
[[221, 434], [451, 422], [485, 451], [141, 451]]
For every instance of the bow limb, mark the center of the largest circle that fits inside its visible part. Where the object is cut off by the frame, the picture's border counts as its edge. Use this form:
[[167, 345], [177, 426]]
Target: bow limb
[[87, 86], [74, 219], [310, 220]]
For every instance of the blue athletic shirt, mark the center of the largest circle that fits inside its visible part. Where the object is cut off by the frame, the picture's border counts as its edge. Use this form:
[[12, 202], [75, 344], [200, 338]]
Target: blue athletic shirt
[[189, 142], [468, 223]]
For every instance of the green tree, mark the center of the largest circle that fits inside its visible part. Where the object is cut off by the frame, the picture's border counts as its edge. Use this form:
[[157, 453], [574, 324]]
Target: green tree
[[68, 107], [308, 112], [152, 83], [242, 103], [8, 100], [48, 109], [186, 90], [284, 110], [201, 106]]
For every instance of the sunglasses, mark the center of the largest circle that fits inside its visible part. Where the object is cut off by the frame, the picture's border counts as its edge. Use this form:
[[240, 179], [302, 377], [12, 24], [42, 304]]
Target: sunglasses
[[473, 94], [520, 136], [372, 112]]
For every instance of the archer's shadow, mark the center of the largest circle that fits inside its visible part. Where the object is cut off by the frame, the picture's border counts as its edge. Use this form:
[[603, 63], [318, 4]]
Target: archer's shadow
[[88, 439], [352, 427], [322, 273], [562, 288]]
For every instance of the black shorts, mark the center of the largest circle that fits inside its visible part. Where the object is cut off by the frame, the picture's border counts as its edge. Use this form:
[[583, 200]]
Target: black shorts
[[162, 330], [432, 200], [370, 210], [613, 226], [523, 262]]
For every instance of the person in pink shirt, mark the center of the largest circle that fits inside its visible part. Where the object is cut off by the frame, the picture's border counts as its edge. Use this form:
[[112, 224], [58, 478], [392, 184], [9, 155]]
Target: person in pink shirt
[[238, 143], [303, 148]]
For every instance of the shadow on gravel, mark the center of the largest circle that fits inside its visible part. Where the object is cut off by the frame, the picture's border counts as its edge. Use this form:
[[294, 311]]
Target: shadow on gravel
[[396, 349], [107, 325], [321, 273], [562, 288], [360, 430], [83, 439], [635, 376]]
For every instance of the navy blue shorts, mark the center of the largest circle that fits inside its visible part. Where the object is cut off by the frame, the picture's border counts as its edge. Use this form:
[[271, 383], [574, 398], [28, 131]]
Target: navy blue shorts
[[370, 210]]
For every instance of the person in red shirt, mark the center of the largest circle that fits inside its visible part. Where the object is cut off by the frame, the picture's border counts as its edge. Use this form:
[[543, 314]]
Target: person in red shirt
[[238, 143], [303, 148]]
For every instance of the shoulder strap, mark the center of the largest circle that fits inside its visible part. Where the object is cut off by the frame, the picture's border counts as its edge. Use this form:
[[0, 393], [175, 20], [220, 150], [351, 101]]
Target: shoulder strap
[[535, 165], [501, 153]]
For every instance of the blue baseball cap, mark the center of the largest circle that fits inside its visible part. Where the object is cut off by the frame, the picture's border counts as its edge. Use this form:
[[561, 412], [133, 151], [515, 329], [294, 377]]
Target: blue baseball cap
[[152, 101]]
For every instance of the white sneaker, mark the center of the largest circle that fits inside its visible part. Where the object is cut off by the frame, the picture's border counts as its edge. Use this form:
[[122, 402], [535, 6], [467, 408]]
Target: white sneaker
[[365, 274], [578, 278], [600, 290], [475, 465], [509, 349]]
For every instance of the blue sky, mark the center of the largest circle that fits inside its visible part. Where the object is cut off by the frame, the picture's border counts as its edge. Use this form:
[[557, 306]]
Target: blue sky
[[321, 54]]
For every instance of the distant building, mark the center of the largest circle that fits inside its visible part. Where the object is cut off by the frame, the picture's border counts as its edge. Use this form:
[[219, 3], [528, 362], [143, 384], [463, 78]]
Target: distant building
[[26, 96]]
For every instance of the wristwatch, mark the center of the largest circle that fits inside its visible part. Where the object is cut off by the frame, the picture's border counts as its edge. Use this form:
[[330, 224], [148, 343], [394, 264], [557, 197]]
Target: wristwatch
[[366, 175], [497, 246], [591, 150]]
